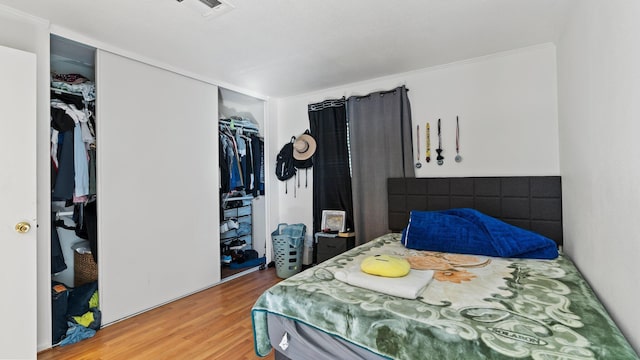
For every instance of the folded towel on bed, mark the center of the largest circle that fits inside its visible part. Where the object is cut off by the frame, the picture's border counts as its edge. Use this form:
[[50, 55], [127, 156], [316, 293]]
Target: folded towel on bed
[[409, 286], [469, 231]]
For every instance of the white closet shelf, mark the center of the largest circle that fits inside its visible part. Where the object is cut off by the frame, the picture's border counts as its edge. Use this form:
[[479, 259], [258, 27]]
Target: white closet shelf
[[239, 198]]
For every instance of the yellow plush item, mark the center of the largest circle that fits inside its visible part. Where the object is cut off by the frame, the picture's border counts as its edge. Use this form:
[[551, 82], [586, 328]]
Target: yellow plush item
[[385, 265]]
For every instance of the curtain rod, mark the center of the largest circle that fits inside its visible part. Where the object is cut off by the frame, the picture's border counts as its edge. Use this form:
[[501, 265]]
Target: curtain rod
[[327, 104], [339, 102], [379, 92]]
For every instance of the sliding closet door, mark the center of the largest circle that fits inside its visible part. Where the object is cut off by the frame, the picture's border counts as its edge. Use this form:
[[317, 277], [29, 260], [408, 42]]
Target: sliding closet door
[[157, 185]]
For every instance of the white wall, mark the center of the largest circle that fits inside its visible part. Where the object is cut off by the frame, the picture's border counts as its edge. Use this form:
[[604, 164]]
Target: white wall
[[271, 148], [599, 97], [508, 118]]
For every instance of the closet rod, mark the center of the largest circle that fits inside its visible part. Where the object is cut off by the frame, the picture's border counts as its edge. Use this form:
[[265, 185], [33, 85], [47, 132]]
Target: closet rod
[[244, 129], [64, 213], [60, 91]]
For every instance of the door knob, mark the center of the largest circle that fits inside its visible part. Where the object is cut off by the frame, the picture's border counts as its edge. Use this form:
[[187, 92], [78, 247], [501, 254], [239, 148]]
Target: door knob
[[23, 227]]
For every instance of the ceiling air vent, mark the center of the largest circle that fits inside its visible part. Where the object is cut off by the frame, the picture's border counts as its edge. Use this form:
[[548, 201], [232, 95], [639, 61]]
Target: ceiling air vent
[[208, 8], [211, 3]]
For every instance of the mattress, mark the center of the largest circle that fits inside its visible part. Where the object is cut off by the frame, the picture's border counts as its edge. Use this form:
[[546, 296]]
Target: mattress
[[475, 307]]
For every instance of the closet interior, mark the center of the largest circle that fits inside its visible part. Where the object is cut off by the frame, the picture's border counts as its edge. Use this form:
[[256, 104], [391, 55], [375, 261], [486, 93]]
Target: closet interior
[[242, 184], [73, 148]]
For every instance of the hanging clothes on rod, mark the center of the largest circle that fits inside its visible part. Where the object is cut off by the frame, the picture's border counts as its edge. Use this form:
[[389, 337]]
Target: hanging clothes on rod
[[72, 137], [71, 141], [73, 159], [241, 151]]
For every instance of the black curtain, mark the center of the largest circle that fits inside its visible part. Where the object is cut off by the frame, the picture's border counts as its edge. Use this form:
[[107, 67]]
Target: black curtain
[[331, 175]]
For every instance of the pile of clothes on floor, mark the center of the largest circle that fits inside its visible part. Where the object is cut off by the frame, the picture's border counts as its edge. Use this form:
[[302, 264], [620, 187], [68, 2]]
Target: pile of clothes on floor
[[75, 312]]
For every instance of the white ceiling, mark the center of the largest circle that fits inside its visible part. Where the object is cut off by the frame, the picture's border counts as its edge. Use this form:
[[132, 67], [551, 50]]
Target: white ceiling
[[281, 48]]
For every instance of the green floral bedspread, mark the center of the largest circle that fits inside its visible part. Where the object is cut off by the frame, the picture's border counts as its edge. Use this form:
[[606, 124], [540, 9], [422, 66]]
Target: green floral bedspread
[[475, 308]]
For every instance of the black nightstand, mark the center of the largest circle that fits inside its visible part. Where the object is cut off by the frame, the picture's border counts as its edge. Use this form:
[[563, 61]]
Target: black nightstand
[[329, 245]]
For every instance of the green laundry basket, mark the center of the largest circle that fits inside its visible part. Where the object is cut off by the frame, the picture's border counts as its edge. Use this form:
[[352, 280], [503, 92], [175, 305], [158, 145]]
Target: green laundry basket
[[287, 248]]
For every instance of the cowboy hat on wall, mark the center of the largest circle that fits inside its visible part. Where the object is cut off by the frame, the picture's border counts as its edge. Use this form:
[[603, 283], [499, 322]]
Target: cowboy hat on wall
[[304, 147]]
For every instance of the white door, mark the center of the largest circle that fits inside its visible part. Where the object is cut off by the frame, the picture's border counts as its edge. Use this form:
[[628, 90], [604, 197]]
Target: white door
[[18, 204]]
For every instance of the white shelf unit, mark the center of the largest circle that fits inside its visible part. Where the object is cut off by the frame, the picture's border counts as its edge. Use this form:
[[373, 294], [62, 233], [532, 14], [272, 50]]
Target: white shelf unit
[[239, 237]]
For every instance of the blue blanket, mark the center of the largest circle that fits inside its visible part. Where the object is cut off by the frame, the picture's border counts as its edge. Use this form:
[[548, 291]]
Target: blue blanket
[[469, 231]]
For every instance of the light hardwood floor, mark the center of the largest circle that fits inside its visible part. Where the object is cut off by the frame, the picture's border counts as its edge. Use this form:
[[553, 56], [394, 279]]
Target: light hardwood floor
[[212, 324]]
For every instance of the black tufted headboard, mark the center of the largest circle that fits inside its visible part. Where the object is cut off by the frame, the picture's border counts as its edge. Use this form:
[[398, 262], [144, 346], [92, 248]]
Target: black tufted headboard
[[530, 202]]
